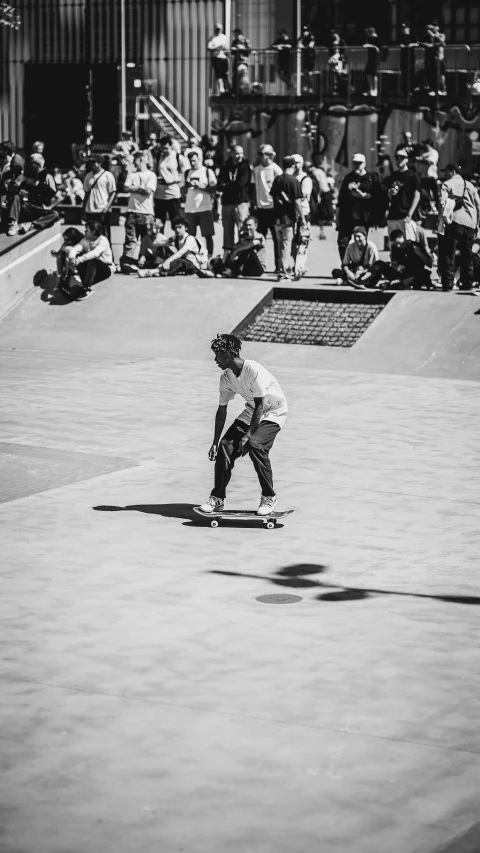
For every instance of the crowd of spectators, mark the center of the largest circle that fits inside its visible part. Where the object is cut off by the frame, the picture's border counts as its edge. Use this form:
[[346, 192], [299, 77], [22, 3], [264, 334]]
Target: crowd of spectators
[[195, 188], [230, 63]]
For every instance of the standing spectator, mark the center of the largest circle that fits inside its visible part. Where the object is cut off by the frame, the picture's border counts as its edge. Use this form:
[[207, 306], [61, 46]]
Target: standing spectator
[[240, 50], [171, 167], [264, 175], [440, 42], [302, 237], [123, 153], [200, 182], [406, 144], [460, 217], [358, 202], [8, 157], [372, 43], [152, 151], [283, 45], [407, 46], [234, 180], [433, 44], [323, 193], [337, 62], [287, 201], [218, 48], [403, 188], [307, 44], [428, 158], [99, 186], [140, 185]]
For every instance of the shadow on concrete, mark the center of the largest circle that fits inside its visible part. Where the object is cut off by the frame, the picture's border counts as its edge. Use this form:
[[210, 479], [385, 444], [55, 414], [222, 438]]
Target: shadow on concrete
[[184, 511], [293, 576], [466, 842], [47, 283]]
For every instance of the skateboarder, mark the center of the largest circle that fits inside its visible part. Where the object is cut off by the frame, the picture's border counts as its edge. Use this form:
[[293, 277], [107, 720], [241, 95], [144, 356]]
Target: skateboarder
[[255, 429]]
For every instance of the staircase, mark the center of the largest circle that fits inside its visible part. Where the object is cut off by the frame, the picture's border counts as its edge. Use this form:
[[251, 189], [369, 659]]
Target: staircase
[[170, 121]]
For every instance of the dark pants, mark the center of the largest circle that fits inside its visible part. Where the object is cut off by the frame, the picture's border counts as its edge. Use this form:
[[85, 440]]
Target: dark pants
[[135, 228], [22, 211], [258, 447], [456, 237], [93, 271], [414, 277], [266, 223], [170, 207], [104, 219]]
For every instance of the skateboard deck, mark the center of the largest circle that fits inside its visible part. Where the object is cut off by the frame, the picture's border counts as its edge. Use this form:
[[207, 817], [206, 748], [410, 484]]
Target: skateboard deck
[[242, 515]]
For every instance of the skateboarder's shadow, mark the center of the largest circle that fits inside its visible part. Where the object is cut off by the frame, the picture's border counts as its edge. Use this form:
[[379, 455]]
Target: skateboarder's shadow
[[184, 511]]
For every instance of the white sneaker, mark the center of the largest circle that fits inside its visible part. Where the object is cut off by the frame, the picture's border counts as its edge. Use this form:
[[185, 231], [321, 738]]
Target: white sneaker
[[213, 505], [267, 505], [12, 229]]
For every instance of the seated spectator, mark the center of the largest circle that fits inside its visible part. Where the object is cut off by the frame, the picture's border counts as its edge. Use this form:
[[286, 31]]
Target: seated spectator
[[360, 256], [11, 191], [189, 256], [152, 250], [74, 192], [248, 256], [92, 259], [8, 157], [30, 194], [65, 256], [411, 263]]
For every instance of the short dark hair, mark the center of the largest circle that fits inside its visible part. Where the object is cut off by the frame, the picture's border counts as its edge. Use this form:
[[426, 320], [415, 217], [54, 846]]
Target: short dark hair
[[166, 140], [7, 147], [72, 236], [428, 141], [95, 158], [180, 220], [251, 218], [288, 162], [396, 233], [94, 226]]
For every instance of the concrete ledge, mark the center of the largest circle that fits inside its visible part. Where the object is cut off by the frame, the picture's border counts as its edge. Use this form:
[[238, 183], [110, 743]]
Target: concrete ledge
[[20, 260]]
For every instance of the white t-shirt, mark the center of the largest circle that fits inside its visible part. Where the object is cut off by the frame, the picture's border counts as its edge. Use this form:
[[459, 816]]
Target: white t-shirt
[[198, 198], [218, 45], [148, 181], [170, 171], [306, 184], [254, 381], [99, 248], [264, 177], [103, 185]]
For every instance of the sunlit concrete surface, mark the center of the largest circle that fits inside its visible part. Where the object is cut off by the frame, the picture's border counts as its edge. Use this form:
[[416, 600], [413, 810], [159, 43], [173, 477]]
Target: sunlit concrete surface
[[148, 701]]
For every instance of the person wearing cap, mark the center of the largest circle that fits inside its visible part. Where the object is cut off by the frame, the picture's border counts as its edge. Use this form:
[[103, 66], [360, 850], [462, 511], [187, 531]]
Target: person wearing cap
[[404, 189], [264, 175], [358, 260], [288, 212], [459, 222], [218, 48], [302, 237], [234, 180], [358, 201]]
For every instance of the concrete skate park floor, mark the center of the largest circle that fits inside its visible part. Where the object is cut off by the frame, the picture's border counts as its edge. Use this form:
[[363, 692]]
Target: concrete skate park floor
[[149, 702]]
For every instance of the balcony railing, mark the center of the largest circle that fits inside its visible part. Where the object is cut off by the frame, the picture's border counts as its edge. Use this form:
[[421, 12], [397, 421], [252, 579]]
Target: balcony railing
[[404, 77]]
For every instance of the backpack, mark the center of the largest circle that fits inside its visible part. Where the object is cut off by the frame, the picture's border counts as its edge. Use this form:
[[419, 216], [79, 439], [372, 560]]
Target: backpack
[[316, 195]]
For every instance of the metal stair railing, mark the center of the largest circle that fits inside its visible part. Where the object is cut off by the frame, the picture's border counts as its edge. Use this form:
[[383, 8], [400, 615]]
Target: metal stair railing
[[170, 124]]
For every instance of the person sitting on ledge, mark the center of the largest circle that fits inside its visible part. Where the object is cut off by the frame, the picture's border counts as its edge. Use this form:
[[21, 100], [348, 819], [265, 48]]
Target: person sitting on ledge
[[248, 256], [92, 259], [189, 256], [411, 264], [358, 261]]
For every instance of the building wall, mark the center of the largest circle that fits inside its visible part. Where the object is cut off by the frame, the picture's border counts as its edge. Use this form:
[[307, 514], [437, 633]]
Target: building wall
[[165, 38]]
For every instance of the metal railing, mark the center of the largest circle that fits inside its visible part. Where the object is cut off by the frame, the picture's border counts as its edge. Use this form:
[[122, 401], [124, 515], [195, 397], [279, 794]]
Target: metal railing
[[403, 75]]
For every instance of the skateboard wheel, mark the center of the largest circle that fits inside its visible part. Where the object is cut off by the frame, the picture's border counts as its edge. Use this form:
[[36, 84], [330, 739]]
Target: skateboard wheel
[[270, 525], [214, 522]]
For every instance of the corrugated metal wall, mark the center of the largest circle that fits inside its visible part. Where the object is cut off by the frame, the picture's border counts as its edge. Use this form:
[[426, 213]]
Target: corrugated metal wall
[[167, 37]]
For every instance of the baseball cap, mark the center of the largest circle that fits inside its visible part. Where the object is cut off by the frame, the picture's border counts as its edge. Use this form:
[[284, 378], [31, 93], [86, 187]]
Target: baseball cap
[[298, 159], [401, 154], [360, 230], [451, 167], [359, 158], [266, 149]]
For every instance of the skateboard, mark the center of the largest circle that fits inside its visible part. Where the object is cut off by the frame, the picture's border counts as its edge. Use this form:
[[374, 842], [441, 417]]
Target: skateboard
[[302, 240], [243, 515]]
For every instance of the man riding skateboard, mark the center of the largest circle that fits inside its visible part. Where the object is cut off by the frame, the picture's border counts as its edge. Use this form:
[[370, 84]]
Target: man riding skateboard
[[255, 429]]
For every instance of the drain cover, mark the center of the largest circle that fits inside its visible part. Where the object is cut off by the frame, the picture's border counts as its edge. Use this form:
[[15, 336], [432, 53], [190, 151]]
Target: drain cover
[[278, 599]]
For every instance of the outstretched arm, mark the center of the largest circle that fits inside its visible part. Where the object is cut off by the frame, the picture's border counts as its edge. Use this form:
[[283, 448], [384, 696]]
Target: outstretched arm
[[220, 418]]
